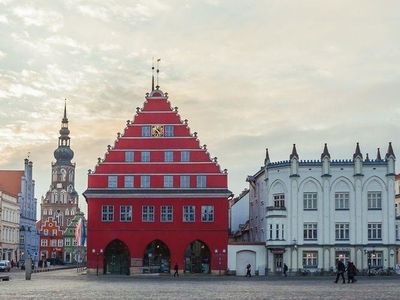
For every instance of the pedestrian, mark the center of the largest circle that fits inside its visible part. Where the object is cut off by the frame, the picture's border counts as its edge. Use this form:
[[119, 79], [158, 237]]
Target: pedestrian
[[341, 268], [12, 263], [285, 269], [248, 273], [176, 268], [351, 272]]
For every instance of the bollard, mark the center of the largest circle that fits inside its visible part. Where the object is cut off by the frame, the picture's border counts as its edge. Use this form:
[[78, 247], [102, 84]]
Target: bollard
[[28, 268]]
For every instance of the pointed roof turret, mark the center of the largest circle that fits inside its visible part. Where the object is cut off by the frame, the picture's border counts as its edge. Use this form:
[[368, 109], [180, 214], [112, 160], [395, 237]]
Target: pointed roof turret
[[266, 160], [390, 152], [367, 158], [325, 153], [294, 153], [378, 155], [358, 152], [63, 154]]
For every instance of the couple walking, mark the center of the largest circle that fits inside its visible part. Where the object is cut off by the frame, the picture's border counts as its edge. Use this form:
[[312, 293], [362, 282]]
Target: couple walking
[[351, 271]]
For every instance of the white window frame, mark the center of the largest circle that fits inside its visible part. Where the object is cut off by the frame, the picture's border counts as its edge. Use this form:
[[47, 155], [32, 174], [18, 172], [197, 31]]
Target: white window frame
[[310, 201], [185, 156], [43, 243], [169, 130], [125, 213], [376, 259], [107, 213], [310, 259], [279, 200], [129, 156], [167, 214], [374, 231], [374, 200], [112, 181], [201, 181], [207, 213], [147, 213], [342, 231], [185, 181], [310, 231], [129, 181], [168, 181], [145, 181], [145, 156], [189, 213], [342, 201], [168, 156]]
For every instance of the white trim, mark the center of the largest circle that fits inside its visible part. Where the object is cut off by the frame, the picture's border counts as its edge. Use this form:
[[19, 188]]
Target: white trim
[[161, 174], [108, 196]]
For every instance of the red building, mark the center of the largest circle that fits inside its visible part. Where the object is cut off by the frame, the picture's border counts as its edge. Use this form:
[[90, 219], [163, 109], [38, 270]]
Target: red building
[[51, 240], [157, 199]]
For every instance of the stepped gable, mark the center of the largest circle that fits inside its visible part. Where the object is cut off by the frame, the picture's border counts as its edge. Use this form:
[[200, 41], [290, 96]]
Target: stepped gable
[[157, 113]]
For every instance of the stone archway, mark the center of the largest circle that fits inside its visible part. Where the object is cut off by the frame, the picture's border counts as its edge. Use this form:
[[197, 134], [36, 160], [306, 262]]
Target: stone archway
[[116, 258], [156, 258], [198, 258]]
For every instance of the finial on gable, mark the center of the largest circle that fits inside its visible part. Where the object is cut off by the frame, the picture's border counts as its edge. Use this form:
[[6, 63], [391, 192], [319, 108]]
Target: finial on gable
[[390, 152], [357, 153], [294, 153], [325, 153], [378, 155]]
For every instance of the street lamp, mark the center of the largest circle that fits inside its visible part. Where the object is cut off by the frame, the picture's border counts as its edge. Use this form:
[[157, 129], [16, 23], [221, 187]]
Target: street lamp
[[219, 255], [97, 253], [369, 253]]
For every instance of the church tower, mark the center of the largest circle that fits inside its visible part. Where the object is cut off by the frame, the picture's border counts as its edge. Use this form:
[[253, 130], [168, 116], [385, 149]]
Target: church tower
[[61, 201]]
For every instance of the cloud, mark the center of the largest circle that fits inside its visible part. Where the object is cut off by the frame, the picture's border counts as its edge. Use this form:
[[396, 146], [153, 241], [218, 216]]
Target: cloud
[[32, 16]]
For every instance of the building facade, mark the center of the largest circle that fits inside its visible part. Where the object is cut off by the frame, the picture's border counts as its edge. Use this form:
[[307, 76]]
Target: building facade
[[157, 198], [312, 212], [74, 253], [51, 240], [61, 201], [239, 217], [20, 185], [9, 227]]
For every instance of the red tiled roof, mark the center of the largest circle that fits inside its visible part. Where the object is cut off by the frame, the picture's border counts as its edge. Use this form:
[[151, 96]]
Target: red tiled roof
[[10, 181]]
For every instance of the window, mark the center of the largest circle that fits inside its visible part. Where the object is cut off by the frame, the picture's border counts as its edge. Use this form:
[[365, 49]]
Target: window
[[145, 156], [129, 156], [125, 213], [270, 232], [277, 232], [342, 255], [310, 259], [310, 201], [374, 200], [185, 181], [310, 231], [188, 213], [53, 243], [374, 231], [146, 131], [342, 231], [397, 232], [128, 181], [168, 181], [60, 243], [147, 213], [279, 200], [375, 259], [43, 243], [107, 213], [112, 181], [341, 201], [54, 232], [185, 156], [201, 181], [168, 156], [207, 213], [68, 242], [46, 232], [283, 232], [168, 130], [166, 213], [145, 181]]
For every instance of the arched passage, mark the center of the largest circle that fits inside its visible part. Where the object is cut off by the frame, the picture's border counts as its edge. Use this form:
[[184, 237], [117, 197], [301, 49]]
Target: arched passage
[[116, 258], [156, 258], [197, 258]]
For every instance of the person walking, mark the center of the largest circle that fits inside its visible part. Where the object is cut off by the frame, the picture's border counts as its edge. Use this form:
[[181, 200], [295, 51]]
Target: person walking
[[351, 272], [285, 269], [341, 268], [248, 272], [176, 268]]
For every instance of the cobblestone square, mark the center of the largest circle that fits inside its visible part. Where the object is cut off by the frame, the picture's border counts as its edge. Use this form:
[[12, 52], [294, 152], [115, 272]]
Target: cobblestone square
[[68, 284]]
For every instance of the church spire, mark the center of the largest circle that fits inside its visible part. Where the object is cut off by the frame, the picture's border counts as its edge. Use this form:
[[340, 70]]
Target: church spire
[[357, 153], [63, 154], [325, 153], [390, 152], [294, 153], [378, 155]]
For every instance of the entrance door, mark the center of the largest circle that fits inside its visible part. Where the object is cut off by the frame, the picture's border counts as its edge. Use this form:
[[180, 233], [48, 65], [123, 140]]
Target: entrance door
[[156, 258], [278, 262], [197, 258], [116, 258], [243, 258]]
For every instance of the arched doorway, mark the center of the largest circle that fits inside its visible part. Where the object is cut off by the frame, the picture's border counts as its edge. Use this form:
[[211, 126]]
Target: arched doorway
[[156, 258], [243, 258], [116, 258], [197, 258]]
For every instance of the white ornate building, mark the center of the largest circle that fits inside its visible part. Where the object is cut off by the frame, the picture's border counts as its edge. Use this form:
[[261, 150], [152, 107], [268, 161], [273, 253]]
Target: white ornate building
[[312, 212], [9, 227]]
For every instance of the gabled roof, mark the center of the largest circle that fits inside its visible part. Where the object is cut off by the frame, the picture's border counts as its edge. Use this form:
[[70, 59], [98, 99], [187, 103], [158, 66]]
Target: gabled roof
[[10, 181]]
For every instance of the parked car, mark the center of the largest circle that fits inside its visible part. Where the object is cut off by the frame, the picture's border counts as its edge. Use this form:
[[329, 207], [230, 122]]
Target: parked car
[[5, 265]]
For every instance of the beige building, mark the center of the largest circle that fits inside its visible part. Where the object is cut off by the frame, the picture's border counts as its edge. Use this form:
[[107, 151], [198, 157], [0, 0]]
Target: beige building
[[9, 227]]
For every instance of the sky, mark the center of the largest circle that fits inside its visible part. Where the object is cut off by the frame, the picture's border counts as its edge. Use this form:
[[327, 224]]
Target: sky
[[248, 75]]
